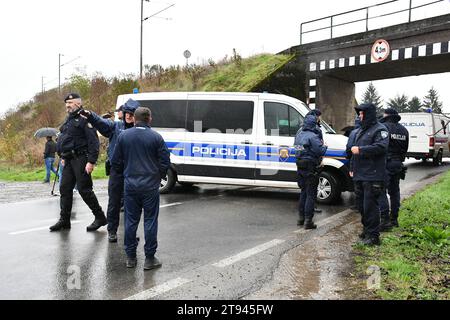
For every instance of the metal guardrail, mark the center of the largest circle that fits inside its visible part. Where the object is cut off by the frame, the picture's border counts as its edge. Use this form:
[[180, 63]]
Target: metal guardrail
[[366, 19]]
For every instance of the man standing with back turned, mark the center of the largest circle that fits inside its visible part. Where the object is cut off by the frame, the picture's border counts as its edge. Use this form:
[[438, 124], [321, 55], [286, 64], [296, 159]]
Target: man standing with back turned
[[142, 155], [78, 146]]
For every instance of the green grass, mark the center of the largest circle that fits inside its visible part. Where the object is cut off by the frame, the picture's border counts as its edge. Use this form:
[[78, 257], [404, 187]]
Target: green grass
[[245, 75], [415, 258], [24, 174]]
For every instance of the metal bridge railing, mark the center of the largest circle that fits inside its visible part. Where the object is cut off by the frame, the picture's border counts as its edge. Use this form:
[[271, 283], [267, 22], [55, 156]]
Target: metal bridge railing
[[367, 18]]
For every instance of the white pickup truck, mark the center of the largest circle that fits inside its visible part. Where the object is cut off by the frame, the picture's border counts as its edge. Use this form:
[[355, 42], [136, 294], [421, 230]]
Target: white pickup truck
[[428, 135]]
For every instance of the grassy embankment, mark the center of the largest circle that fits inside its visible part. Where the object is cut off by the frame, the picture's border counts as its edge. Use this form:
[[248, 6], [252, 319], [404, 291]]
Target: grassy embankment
[[414, 259], [236, 75]]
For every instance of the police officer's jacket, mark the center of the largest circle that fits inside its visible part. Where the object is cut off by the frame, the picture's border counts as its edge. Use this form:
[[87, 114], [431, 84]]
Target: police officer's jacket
[[372, 138], [351, 141], [398, 138], [78, 137], [142, 155], [107, 128], [307, 143]]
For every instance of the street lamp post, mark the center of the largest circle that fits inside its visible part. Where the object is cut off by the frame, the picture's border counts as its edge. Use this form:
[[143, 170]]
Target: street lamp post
[[142, 30]]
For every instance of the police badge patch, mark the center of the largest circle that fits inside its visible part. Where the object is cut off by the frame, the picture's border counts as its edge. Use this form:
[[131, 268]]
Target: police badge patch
[[384, 134]]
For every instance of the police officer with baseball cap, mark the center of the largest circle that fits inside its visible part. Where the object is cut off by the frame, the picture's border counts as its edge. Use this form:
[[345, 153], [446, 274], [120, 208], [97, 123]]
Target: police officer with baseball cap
[[112, 130], [78, 146], [369, 162], [398, 146]]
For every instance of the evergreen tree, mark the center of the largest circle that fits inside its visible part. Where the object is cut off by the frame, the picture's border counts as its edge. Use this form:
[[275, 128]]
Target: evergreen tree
[[431, 101], [399, 103], [414, 105], [371, 96]]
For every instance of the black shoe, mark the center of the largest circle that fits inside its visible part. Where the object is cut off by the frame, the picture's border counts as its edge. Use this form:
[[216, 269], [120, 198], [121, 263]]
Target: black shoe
[[362, 235], [98, 222], [301, 221], [385, 226], [317, 210], [112, 236], [45, 181], [152, 263], [60, 225], [309, 224], [131, 262], [394, 222], [371, 241]]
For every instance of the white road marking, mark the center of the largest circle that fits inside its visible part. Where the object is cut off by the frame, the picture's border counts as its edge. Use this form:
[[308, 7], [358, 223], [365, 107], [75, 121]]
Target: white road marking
[[326, 221], [171, 205], [38, 229], [247, 253], [160, 289]]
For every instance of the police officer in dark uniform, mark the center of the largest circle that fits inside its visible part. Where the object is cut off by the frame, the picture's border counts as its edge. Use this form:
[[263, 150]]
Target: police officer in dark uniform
[[78, 146], [309, 150], [112, 130], [369, 162], [142, 155], [398, 146]]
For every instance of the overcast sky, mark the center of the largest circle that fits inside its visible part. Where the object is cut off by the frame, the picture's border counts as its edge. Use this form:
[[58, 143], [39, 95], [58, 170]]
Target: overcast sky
[[105, 35]]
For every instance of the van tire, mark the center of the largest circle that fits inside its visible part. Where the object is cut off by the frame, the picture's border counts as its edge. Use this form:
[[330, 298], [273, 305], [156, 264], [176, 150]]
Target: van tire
[[168, 182], [437, 161], [328, 191]]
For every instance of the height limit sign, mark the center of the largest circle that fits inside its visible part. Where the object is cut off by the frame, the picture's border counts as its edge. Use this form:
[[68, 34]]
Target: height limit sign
[[380, 50]]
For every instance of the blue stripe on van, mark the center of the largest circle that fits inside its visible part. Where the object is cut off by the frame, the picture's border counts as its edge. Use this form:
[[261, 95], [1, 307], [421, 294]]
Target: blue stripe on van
[[242, 152]]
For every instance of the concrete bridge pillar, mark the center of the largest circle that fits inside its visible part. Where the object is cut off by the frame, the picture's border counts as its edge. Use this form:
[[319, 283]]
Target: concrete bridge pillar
[[335, 98]]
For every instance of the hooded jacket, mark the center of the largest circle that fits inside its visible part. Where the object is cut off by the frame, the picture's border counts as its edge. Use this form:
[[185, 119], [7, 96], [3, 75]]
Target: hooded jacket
[[398, 138], [372, 138], [351, 140], [308, 145]]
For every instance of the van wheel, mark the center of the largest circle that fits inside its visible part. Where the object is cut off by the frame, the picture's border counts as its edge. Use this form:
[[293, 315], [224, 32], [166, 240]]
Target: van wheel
[[328, 190], [168, 182], [438, 160]]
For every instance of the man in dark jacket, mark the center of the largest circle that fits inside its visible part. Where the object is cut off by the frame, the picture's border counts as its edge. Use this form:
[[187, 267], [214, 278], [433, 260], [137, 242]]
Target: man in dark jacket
[[309, 150], [112, 130], [369, 161], [49, 158], [78, 146], [142, 155], [398, 146]]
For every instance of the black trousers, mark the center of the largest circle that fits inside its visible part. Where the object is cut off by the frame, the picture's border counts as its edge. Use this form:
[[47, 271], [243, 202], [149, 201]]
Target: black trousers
[[74, 174], [307, 180], [115, 199], [368, 195]]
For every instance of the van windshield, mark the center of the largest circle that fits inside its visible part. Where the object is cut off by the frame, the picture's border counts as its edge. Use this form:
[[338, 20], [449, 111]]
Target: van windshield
[[327, 127]]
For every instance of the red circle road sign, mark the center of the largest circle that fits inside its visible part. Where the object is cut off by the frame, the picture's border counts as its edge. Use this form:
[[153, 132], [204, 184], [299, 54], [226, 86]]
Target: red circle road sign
[[381, 50]]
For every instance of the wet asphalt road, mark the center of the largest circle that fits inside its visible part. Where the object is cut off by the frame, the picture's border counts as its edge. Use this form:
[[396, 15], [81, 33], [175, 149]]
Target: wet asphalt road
[[198, 227]]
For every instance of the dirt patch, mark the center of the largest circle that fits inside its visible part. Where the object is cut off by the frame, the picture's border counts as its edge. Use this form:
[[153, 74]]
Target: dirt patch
[[318, 268]]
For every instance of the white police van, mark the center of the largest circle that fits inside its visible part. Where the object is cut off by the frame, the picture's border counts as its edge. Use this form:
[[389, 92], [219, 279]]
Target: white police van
[[429, 135], [239, 139]]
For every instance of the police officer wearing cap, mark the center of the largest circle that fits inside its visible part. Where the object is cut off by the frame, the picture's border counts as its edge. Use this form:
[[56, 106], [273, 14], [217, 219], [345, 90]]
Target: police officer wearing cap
[[112, 130], [398, 146], [369, 161], [309, 150], [78, 146]]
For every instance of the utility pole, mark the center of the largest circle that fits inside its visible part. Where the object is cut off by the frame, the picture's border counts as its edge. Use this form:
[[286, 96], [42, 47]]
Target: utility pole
[[59, 72], [42, 84], [142, 30]]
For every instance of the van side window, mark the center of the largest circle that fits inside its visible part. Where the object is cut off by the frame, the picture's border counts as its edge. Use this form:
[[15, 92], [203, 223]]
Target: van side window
[[167, 113], [216, 116], [281, 119]]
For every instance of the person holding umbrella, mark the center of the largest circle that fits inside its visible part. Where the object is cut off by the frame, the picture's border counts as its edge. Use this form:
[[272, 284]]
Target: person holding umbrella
[[49, 158]]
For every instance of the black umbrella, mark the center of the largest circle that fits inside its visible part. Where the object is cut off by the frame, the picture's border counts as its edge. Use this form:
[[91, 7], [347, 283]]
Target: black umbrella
[[46, 132]]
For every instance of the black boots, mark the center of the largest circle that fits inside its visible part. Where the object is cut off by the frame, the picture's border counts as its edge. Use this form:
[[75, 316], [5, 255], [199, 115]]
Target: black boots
[[371, 241], [309, 224], [99, 221], [152, 263], [385, 225], [131, 262], [112, 236], [301, 220], [60, 225], [394, 222]]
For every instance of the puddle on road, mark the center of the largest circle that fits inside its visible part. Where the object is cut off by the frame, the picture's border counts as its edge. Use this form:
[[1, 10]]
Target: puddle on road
[[315, 269]]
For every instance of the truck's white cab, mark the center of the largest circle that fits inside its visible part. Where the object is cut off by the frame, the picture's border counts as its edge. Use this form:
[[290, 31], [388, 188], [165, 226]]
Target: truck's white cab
[[239, 139], [428, 135]]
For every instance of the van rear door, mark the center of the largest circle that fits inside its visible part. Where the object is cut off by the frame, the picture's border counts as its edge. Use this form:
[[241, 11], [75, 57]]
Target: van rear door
[[220, 137], [419, 126]]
